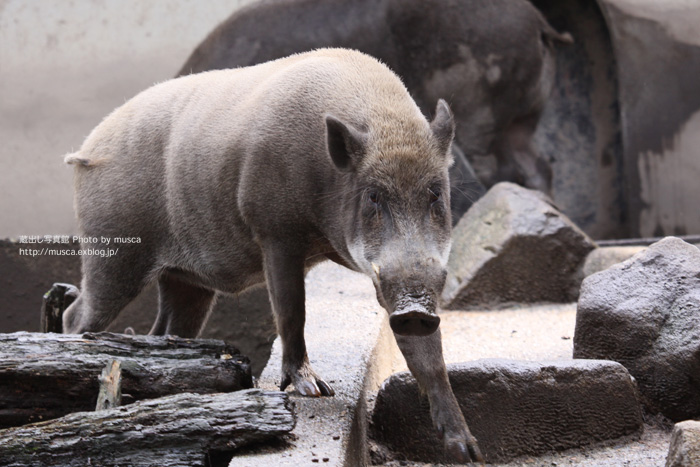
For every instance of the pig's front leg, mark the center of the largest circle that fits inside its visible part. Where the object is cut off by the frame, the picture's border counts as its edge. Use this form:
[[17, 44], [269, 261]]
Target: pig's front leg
[[423, 355], [284, 273]]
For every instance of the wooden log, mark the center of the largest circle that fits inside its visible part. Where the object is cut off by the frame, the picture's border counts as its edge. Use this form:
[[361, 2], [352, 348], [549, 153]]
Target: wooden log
[[173, 431], [55, 302], [44, 376], [110, 394]]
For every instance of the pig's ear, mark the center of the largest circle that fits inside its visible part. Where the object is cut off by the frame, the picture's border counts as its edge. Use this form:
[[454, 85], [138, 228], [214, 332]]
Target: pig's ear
[[346, 144], [443, 126]]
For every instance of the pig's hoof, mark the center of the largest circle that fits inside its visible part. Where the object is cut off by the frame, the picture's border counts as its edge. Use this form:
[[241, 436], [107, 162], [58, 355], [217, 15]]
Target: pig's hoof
[[464, 450], [309, 385], [459, 443], [314, 389]]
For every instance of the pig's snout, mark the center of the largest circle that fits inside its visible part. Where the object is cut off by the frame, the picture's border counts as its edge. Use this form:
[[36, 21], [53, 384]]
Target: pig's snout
[[414, 321], [409, 291]]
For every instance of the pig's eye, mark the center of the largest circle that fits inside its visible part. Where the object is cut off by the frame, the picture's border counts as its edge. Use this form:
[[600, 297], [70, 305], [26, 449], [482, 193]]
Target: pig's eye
[[435, 194], [373, 197]]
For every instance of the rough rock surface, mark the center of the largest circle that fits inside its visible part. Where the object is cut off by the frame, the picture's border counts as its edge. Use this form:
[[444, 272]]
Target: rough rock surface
[[513, 245], [644, 313], [684, 450], [514, 408]]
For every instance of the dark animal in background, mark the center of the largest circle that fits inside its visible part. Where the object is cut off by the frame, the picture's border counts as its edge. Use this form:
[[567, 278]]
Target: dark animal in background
[[491, 60], [236, 177]]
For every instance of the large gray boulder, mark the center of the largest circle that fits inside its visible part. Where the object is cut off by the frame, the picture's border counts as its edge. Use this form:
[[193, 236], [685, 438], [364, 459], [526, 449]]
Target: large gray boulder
[[684, 450], [645, 314], [513, 245], [514, 408]]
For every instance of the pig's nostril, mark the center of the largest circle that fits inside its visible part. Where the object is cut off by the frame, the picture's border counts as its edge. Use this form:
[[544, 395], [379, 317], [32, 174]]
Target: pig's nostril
[[414, 323]]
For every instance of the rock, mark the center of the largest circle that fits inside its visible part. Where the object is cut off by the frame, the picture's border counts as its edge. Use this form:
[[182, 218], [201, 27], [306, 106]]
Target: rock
[[514, 408], [514, 246], [684, 450], [601, 259], [644, 313], [245, 321]]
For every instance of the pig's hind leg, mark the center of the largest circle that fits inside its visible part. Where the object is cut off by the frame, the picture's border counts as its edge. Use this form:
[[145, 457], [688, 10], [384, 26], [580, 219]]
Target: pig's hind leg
[[109, 284], [284, 273], [183, 307]]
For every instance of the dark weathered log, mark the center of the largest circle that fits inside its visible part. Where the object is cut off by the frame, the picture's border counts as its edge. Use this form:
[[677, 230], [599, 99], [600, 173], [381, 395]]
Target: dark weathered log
[[110, 394], [45, 376], [54, 304], [173, 431]]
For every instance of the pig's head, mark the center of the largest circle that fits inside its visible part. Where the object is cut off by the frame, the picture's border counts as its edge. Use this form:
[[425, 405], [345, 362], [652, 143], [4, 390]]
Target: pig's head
[[397, 206]]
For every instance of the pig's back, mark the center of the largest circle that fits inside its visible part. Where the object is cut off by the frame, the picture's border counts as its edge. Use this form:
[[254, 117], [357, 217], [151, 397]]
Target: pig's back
[[261, 137], [201, 162]]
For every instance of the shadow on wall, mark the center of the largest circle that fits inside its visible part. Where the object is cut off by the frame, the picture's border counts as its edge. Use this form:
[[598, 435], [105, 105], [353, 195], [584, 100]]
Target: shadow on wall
[[657, 47], [622, 128], [580, 129]]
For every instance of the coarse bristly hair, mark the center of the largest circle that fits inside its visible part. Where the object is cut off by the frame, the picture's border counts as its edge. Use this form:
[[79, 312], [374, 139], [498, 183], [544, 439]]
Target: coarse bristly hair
[[208, 169]]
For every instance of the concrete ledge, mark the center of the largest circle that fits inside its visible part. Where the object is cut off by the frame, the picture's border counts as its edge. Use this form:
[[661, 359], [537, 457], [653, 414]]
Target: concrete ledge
[[514, 408], [348, 341]]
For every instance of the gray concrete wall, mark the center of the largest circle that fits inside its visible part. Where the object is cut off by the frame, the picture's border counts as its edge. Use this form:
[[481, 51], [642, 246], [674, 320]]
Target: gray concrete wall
[[657, 50], [622, 128], [579, 132], [66, 64]]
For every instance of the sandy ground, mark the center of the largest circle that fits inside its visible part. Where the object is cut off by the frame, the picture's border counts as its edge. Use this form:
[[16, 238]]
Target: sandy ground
[[525, 333], [542, 332]]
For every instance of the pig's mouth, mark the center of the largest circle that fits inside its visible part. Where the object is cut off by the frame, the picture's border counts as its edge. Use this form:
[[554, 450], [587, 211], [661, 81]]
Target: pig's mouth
[[414, 315]]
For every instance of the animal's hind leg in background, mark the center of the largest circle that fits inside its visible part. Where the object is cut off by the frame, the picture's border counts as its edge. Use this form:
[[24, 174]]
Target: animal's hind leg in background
[[465, 187], [109, 284], [518, 160], [183, 307]]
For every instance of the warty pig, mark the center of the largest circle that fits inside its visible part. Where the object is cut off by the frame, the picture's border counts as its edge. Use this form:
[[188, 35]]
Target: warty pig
[[235, 177]]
